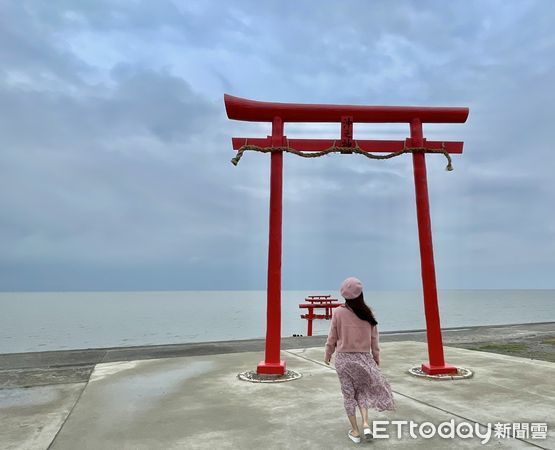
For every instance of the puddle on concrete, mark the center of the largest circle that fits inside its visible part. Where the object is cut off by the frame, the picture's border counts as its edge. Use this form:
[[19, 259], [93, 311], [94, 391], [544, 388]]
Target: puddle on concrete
[[102, 371], [21, 397], [148, 380]]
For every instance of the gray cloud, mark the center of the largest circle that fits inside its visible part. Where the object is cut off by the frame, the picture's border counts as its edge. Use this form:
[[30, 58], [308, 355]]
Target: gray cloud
[[115, 147]]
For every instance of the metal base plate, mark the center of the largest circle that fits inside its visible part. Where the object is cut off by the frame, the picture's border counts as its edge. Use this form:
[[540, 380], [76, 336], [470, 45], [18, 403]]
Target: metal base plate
[[462, 373], [254, 377]]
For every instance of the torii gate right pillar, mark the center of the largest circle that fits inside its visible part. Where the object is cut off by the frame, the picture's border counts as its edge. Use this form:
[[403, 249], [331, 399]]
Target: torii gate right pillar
[[436, 364]]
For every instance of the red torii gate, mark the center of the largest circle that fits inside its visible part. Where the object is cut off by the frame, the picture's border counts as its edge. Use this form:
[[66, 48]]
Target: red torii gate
[[279, 113]]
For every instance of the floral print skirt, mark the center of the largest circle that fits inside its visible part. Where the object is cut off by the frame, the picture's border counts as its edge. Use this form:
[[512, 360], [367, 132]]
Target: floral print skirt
[[362, 383]]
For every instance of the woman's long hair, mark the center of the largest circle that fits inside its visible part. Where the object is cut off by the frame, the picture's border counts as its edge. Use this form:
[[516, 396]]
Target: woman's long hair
[[361, 309]]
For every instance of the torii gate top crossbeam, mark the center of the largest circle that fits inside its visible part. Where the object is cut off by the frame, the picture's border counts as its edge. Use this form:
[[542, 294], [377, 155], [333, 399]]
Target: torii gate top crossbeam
[[255, 111], [251, 110]]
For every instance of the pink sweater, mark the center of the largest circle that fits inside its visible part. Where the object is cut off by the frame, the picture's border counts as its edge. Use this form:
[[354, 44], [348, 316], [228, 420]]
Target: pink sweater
[[348, 333]]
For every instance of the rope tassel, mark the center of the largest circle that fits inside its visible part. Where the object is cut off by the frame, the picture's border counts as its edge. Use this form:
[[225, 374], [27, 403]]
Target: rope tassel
[[335, 149]]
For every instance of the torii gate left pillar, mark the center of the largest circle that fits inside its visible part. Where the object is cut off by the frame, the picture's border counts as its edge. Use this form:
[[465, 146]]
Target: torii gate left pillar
[[272, 363]]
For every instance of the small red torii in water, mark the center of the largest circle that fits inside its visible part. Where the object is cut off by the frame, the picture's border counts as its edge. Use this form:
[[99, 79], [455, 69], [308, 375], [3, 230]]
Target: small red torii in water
[[279, 113]]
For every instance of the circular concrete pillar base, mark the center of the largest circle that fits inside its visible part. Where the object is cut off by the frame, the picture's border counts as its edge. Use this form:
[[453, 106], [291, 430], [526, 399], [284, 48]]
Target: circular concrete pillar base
[[462, 373], [254, 377]]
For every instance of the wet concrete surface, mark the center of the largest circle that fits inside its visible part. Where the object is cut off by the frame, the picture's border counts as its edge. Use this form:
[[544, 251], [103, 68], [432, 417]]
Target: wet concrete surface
[[198, 402], [188, 396], [31, 417]]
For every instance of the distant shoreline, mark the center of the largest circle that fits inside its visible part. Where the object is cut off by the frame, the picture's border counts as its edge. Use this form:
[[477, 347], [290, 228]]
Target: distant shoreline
[[241, 345], [315, 291]]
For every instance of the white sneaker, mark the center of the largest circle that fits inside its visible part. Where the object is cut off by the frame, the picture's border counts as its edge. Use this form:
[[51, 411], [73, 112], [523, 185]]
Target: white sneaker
[[355, 439], [368, 434]]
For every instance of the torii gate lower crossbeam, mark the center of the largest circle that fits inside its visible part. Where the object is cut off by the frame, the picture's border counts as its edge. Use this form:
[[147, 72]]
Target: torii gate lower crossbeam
[[278, 113]]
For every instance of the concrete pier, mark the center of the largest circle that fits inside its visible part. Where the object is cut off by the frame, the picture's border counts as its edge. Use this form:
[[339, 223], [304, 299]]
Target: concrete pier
[[188, 396]]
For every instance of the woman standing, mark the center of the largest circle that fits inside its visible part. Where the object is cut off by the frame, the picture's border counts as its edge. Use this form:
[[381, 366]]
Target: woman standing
[[353, 334]]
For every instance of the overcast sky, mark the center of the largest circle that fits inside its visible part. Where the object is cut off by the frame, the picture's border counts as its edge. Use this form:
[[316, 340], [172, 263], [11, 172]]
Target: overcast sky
[[115, 147]]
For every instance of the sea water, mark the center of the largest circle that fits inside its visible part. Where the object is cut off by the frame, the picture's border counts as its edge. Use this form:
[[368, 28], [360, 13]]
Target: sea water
[[76, 320]]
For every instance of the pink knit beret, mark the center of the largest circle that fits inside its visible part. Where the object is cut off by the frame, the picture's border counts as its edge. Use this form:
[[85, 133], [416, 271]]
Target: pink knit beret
[[351, 288]]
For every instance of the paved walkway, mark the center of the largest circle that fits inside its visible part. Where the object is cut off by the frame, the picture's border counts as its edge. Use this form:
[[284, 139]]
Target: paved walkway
[[198, 402]]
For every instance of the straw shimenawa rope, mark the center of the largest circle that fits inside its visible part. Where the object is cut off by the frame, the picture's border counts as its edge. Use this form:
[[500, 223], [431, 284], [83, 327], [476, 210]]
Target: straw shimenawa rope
[[336, 149]]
